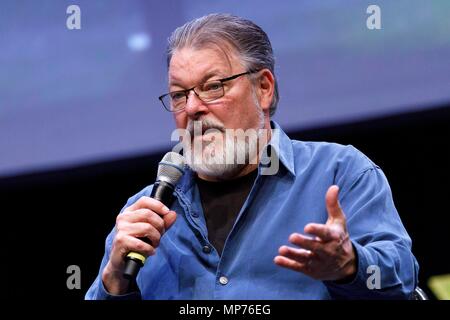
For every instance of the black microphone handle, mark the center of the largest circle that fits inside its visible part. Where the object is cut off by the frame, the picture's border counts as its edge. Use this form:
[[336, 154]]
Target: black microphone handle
[[162, 191]]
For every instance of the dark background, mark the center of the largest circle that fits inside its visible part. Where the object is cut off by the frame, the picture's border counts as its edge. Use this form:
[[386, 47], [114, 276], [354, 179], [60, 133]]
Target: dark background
[[64, 93], [60, 218]]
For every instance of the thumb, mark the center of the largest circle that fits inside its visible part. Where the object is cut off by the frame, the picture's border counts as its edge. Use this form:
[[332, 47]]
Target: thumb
[[334, 209]]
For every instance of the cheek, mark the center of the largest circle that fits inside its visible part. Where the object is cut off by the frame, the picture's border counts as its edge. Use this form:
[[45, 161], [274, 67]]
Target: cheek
[[244, 109], [235, 105], [233, 113], [180, 120]]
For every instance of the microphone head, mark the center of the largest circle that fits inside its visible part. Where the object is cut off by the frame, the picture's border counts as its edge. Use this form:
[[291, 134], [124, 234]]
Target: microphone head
[[171, 168]]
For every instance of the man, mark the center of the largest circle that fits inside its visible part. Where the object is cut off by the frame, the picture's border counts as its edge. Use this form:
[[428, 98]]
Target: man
[[321, 226]]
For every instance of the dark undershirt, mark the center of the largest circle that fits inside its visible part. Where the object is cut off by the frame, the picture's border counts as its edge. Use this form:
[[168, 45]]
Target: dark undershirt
[[221, 202]]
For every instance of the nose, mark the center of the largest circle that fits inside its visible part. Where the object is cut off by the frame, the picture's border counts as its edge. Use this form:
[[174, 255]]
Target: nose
[[194, 106]]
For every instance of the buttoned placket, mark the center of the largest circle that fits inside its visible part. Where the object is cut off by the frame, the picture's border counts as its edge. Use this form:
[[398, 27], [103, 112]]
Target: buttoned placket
[[193, 218]]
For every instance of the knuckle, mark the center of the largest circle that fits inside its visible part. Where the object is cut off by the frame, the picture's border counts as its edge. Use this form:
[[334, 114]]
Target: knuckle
[[154, 218], [120, 218], [152, 203], [146, 213], [142, 200], [121, 225], [148, 230], [159, 224], [119, 239], [161, 206], [157, 206], [122, 251], [146, 249], [141, 246], [156, 239], [124, 217]]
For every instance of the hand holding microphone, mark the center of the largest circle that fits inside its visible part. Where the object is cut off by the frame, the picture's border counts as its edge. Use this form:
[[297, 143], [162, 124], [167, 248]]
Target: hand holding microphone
[[140, 227]]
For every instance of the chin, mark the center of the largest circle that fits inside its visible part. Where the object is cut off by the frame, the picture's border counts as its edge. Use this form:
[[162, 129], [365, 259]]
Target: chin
[[221, 171], [213, 166]]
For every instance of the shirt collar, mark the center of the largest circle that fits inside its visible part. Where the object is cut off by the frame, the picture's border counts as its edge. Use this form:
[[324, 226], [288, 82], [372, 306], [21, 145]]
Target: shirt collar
[[280, 150], [281, 145]]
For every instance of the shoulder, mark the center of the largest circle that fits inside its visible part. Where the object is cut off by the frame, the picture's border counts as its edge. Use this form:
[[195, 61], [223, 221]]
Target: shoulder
[[341, 160]]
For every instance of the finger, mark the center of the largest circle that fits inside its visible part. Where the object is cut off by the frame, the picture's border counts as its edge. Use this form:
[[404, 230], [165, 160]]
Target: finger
[[124, 243], [334, 209], [142, 215], [324, 232], [306, 243], [289, 263], [169, 219], [149, 203], [300, 255], [139, 215], [142, 230]]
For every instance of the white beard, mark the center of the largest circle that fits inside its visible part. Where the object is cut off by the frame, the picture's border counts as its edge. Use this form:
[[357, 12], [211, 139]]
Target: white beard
[[220, 154]]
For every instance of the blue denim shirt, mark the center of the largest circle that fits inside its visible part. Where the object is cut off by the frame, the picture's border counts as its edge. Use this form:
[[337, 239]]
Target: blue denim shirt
[[186, 266]]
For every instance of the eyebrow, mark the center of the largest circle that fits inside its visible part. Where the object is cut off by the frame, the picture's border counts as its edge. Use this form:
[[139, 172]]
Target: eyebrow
[[207, 76]]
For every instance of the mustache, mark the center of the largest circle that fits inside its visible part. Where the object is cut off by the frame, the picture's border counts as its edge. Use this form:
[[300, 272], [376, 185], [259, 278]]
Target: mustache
[[204, 124]]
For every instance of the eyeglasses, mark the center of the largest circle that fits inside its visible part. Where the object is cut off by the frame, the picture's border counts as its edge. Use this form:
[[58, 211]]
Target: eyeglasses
[[175, 101]]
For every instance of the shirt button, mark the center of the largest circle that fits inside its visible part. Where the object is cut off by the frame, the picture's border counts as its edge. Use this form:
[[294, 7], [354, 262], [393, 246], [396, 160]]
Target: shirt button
[[223, 280], [195, 214], [206, 249]]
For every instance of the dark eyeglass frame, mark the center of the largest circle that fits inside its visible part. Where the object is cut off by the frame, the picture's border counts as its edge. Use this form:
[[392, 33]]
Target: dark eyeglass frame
[[186, 91]]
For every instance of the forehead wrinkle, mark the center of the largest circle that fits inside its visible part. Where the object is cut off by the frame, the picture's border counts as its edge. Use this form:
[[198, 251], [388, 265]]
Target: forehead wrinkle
[[174, 81], [210, 74]]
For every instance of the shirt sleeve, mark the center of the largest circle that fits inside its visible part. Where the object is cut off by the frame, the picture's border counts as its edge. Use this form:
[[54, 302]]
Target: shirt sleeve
[[97, 291], [386, 267]]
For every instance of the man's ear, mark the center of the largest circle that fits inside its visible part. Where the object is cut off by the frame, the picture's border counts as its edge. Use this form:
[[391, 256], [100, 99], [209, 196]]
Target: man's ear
[[265, 86]]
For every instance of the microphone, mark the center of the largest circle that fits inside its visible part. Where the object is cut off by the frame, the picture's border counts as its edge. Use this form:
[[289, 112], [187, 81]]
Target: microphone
[[170, 170]]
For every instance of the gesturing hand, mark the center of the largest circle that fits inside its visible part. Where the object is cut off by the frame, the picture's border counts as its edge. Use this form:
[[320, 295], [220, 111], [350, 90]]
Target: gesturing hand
[[327, 256]]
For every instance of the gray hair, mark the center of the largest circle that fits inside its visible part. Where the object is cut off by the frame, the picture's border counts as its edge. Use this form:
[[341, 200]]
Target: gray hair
[[249, 40]]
